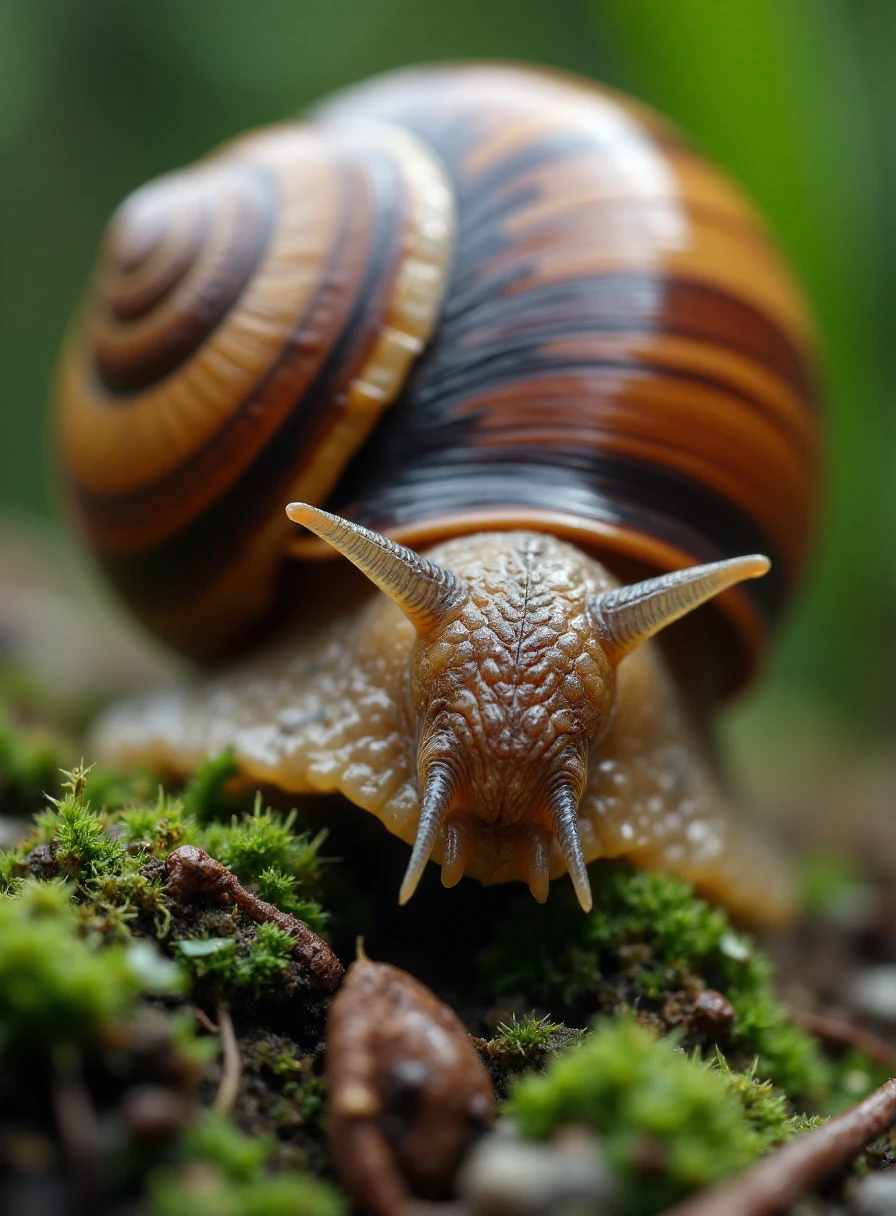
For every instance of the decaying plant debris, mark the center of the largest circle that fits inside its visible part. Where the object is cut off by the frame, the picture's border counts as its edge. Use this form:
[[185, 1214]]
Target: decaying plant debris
[[407, 1092], [163, 1039]]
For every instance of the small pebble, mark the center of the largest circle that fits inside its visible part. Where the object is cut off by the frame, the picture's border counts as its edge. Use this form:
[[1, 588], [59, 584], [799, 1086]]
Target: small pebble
[[713, 1013], [12, 830], [506, 1176], [875, 1196], [873, 992], [154, 1112]]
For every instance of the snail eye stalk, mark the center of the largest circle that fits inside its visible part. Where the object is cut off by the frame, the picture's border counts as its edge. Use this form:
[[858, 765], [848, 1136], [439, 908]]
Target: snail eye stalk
[[423, 591], [628, 616]]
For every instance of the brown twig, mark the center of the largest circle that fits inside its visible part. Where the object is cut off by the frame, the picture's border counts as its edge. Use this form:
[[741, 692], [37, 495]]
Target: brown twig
[[840, 1033], [232, 1065], [205, 1021], [192, 871], [776, 1182]]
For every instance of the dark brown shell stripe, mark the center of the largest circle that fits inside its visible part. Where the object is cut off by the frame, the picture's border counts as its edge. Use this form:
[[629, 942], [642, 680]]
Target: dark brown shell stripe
[[641, 363], [173, 533]]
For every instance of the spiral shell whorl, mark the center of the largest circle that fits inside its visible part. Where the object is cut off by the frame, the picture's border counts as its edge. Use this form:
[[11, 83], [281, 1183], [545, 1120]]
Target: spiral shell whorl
[[177, 256], [250, 319]]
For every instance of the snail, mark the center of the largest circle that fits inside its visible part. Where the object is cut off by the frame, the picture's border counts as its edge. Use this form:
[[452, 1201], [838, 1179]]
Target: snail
[[505, 341]]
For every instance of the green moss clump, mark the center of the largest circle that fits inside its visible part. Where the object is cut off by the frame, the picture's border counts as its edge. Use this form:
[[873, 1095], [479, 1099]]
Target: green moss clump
[[648, 937], [205, 1191], [529, 1036], [228, 967], [108, 852], [206, 795], [268, 958], [154, 828], [56, 986], [282, 890], [669, 1122], [522, 1046], [84, 906], [302, 1086], [766, 1107], [263, 848], [222, 1173], [84, 848]]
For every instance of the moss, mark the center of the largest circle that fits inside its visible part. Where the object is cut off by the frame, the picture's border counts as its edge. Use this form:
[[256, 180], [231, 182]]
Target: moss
[[524, 1046], [264, 840], [155, 828], [208, 794], [13, 867], [56, 985], [85, 904], [264, 850], [228, 966], [670, 1123], [297, 1077], [529, 1036], [767, 1108], [282, 890], [118, 898], [84, 848], [647, 938], [107, 851], [222, 1173], [201, 1190]]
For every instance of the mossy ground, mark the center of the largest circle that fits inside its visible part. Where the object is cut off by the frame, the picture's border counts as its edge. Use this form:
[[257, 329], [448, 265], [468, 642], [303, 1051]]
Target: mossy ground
[[652, 1020]]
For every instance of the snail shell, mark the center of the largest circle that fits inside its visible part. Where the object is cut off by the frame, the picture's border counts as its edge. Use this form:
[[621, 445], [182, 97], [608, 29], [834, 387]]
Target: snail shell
[[614, 379], [249, 321]]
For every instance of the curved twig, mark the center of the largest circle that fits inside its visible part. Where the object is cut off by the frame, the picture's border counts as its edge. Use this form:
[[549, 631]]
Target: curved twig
[[192, 871], [840, 1033], [773, 1184], [231, 1065]]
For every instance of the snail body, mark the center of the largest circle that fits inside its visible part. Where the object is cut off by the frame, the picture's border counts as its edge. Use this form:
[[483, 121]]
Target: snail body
[[516, 325]]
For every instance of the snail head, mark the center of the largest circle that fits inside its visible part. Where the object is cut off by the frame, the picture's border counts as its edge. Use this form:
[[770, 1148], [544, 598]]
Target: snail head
[[512, 683]]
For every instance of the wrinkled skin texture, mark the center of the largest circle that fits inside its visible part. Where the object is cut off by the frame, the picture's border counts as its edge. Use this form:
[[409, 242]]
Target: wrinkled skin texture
[[509, 693], [336, 704], [406, 1090]]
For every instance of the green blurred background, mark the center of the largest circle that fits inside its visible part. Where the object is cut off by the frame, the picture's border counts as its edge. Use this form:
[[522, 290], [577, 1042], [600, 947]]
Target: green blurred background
[[792, 96]]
